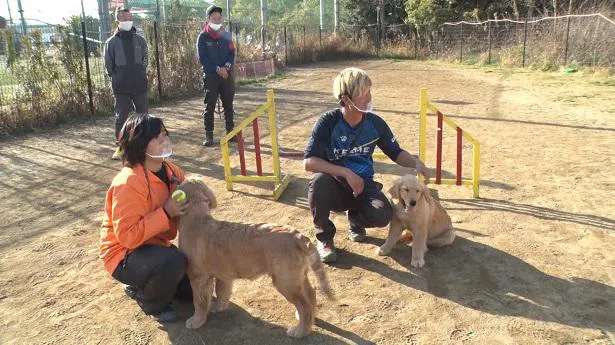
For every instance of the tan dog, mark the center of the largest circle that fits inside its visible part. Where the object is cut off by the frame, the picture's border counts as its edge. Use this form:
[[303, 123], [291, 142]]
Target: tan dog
[[225, 251], [418, 212]]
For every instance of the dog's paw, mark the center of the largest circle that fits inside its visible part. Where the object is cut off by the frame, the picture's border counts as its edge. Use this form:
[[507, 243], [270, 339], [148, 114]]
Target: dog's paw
[[383, 251], [218, 307], [297, 332], [195, 322], [417, 262]]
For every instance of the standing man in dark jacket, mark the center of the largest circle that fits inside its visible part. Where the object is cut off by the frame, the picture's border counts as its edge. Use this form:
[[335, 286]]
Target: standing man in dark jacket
[[126, 64], [216, 53]]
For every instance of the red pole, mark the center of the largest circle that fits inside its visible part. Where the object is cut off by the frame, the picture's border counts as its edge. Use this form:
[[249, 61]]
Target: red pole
[[257, 147], [459, 154], [439, 150], [242, 158]]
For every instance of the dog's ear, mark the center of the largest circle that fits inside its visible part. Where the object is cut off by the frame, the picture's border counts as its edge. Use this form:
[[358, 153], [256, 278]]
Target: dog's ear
[[394, 190], [209, 194], [426, 192]]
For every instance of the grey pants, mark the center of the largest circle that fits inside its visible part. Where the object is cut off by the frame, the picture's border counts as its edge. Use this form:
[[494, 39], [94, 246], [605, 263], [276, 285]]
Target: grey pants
[[123, 104]]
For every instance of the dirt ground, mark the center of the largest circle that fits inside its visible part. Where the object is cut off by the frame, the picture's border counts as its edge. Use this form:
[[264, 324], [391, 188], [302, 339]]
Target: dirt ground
[[534, 262]]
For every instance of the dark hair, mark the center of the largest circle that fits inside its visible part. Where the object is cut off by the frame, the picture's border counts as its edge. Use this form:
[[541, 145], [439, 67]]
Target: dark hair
[[136, 134], [121, 9]]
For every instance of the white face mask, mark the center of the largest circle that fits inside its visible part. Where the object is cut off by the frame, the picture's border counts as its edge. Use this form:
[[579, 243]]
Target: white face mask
[[125, 26], [166, 151], [165, 154], [215, 27], [369, 107]]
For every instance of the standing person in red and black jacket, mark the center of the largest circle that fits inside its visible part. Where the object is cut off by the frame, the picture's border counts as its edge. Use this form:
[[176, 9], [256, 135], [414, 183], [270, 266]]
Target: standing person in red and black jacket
[[217, 54]]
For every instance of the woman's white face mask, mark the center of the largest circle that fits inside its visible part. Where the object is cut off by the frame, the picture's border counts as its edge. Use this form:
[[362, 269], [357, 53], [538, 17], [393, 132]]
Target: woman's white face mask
[[160, 147]]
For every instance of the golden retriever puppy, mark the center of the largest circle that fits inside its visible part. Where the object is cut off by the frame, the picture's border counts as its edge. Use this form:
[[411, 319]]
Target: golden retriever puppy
[[418, 212], [221, 252]]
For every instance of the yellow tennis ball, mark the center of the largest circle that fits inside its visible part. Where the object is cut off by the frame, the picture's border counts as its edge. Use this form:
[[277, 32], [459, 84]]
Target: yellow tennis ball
[[179, 195]]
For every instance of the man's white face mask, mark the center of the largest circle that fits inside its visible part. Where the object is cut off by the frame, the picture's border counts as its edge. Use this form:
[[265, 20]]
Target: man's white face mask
[[369, 107], [125, 25]]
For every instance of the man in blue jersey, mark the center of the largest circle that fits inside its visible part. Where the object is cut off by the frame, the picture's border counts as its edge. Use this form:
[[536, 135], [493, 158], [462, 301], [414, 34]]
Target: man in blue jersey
[[340, 154]]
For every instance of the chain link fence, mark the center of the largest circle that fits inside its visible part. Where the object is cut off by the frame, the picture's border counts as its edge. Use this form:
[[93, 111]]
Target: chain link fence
[[55, 71]]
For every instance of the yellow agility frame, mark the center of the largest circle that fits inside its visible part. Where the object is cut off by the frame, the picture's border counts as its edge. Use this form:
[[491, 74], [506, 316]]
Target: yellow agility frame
[[425, 107], [280, 182]]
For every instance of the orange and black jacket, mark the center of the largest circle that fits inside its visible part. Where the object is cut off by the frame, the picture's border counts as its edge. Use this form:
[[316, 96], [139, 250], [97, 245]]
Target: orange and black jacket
[[134, 215]]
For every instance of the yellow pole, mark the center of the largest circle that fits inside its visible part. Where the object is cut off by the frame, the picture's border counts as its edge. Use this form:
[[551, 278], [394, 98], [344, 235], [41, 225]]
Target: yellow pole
[[227, 165], [273, 131], [476, 169]]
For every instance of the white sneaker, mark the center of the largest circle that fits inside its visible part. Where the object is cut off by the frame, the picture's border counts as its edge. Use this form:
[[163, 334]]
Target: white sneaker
[[326, 251]]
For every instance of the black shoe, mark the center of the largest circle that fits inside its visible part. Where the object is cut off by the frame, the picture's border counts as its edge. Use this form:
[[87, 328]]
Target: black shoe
[[209, 139], [131, 291], [167, 315]]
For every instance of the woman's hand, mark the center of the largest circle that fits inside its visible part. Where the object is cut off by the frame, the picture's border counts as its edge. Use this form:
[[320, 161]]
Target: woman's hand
[[174, 208]]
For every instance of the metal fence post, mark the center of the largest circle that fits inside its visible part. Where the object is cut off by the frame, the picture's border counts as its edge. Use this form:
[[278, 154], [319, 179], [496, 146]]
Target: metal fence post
[[157, 58], [461, 43], [566, 45], [378, 31], [489, 54], [263, 40], [86, 54], [285, 48], [416, 47], [524, 42], [237, 39]]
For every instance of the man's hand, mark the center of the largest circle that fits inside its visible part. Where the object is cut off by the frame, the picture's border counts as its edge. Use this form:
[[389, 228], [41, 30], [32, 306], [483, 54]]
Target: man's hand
[[422, 169], [221, 71], [355, 181]]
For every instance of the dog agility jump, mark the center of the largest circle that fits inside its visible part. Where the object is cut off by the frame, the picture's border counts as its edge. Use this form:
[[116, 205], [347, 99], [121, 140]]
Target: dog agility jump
[[280, 182], [426, 106]]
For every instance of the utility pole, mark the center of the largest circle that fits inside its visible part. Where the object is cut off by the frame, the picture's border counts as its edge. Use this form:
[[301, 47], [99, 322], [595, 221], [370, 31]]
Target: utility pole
[[10, 15], [23, 21]]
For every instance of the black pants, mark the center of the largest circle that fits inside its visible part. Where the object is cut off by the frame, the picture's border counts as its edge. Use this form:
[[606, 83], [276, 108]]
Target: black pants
[[122, 105], [328, 193], [215, 85], [158, 275]]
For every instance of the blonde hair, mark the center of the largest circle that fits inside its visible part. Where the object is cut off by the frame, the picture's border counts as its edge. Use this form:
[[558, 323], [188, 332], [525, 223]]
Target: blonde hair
[[353, 82]]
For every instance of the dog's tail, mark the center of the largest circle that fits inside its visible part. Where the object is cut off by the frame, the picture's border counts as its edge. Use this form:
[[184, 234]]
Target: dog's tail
[[316, 265]]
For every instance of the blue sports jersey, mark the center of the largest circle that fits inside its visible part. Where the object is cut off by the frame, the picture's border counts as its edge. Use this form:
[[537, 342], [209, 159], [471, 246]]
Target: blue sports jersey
[[335, 141]]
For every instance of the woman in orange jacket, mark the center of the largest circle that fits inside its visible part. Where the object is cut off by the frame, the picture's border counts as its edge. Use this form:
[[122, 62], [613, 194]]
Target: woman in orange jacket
[[140, 220]]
